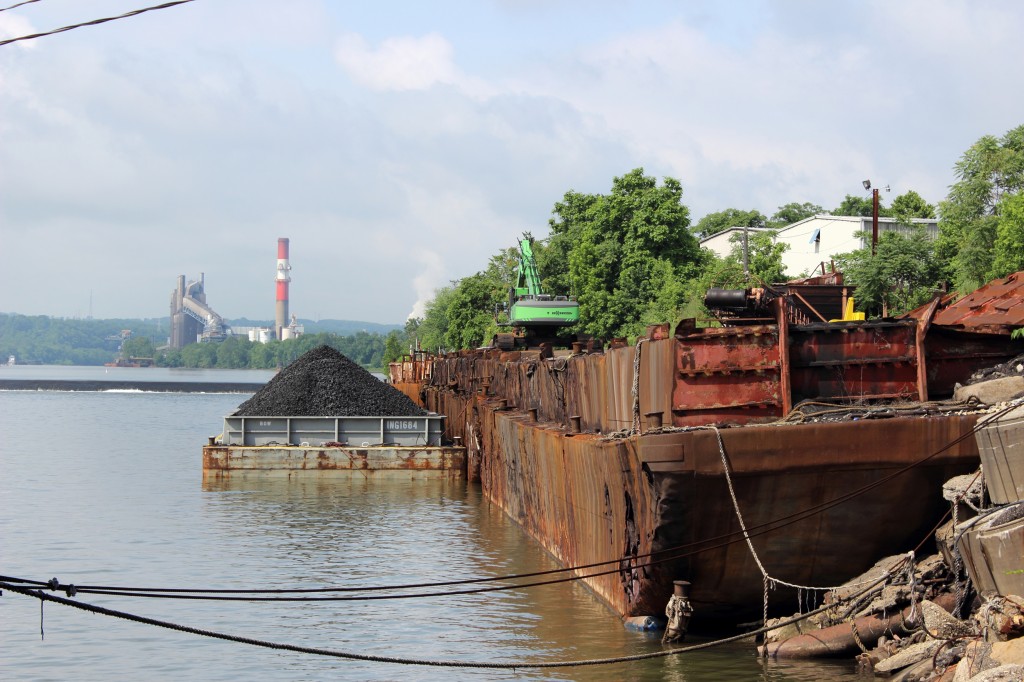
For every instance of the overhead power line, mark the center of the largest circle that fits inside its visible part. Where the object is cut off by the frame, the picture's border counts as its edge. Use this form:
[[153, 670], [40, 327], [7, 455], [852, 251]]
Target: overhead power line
[[94, 22], [26, 2]]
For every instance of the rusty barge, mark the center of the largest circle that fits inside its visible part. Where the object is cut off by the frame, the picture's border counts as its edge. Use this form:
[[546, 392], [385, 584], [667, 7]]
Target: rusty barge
[[625, 454]]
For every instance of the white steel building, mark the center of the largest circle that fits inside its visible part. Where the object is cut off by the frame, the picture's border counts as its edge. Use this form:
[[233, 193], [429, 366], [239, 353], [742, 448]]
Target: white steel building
[[815, 240]]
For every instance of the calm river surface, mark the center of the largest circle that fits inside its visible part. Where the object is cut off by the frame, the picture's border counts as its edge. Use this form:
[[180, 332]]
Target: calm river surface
[[106, 488]]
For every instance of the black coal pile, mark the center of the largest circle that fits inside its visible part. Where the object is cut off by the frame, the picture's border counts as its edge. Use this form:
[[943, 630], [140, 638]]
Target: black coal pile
[[325, 383]]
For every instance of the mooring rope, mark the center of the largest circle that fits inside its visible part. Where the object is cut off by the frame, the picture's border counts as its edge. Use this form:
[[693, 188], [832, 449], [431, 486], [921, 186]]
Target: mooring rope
[[771, 582], [635, 427], [92, 608], [753, 552]]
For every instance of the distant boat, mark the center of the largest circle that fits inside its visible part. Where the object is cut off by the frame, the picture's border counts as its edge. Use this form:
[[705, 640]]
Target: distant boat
[[130, 362]]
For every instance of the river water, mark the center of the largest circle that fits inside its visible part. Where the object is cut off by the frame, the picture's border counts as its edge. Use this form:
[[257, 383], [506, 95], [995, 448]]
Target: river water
[[106, 488]]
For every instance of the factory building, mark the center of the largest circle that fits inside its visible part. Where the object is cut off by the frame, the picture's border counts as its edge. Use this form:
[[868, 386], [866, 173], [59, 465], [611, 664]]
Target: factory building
[[192, 320]]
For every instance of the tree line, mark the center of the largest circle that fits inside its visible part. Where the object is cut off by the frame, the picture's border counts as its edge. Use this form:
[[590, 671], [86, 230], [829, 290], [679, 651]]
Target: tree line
[[632, 257], [236, 352], [56, 341]]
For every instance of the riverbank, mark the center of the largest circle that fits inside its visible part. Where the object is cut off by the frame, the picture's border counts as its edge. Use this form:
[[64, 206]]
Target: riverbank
[[131, 385]]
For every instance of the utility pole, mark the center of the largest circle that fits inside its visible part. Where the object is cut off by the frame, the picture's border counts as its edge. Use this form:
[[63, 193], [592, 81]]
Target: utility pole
[[746, 257], [874, 220]]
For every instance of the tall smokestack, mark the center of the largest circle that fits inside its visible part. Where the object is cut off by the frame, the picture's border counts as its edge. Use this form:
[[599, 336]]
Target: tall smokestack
[[283, 268]]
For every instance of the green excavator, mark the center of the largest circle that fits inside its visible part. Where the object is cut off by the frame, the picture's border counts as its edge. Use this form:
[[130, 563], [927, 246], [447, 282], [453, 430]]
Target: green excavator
[[535, 316]]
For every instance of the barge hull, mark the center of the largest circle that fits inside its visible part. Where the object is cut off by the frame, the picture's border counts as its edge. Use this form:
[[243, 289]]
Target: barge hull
[[393, 461], [588, 500], [573, 448]]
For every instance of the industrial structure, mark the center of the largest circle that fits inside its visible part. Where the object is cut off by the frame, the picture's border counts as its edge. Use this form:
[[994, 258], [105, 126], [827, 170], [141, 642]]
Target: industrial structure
[[192, 320], [283, 278]]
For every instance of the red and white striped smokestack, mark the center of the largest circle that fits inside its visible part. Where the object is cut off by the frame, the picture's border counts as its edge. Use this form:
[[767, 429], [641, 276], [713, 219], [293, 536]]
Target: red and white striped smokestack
[[283, 268]]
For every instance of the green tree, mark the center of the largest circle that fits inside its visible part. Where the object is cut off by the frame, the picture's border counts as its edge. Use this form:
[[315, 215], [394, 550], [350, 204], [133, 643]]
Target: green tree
[[910, 205], [988, 172], [201, 355], [394, 349], [764, 262], [902, 275], [793, 213], [713, 223], [434, 327], [137, 347], [624, 249], [471, 311], [233, 353], [860, 206], [1009, 246]]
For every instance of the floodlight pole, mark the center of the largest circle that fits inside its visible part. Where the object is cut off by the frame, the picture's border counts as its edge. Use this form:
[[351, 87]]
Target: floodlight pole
[[874, 220]]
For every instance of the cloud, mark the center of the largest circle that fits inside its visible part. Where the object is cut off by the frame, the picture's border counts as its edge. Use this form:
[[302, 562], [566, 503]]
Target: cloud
[[402, 63], [15, 26], [406, 152]]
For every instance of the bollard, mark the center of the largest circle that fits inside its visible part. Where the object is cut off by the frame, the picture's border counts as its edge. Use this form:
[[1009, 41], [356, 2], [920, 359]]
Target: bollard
[[679, 612], [575, 424], [653, 420], [532, 412], [577, 347]]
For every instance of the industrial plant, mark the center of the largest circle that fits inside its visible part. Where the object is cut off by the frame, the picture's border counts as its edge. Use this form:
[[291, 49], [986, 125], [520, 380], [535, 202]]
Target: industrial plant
[[194, 321]]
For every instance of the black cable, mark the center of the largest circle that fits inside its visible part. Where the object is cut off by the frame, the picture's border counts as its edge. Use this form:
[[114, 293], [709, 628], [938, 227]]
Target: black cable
[[26, 2], [94, 22], [425, 662]]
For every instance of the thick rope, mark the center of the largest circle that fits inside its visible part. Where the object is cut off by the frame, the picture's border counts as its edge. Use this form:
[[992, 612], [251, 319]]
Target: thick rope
[[635, 428], [92, 608], [769, 581]]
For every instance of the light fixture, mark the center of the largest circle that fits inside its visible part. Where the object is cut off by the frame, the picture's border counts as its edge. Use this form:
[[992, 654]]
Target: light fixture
[[867, 184]]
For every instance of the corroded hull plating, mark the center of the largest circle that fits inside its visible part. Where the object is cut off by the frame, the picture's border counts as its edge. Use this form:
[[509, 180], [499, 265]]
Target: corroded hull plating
[[589, 500], [564, 447]]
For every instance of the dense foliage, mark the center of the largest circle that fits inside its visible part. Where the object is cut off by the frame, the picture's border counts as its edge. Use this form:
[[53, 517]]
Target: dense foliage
[[631, 256], [55, 341], [626, 255], [793, 212], [45, 340], [713, 223], [901, 275], [240, 353], [981, 219], [764, 263]]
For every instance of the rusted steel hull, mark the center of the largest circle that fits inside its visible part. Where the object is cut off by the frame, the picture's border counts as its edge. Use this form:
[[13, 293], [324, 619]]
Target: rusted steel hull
[[589, 500], [570, 448], [416, 462]]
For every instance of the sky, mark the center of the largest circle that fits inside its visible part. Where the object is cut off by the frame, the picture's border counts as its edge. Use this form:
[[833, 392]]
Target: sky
[[399, 145]]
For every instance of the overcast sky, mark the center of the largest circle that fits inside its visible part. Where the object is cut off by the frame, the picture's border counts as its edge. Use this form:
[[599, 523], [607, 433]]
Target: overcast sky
[[401, 144]]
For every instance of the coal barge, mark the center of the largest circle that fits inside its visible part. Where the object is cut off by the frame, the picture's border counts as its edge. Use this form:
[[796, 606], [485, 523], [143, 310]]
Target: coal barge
[[324, 414], [626, 454]]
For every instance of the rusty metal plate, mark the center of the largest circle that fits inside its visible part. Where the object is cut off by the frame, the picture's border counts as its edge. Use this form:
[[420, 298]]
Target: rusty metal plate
[[996, 307]]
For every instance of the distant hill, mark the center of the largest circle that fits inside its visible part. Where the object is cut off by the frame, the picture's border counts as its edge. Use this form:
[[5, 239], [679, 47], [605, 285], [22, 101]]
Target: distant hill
[[46, 340], [341, 327]]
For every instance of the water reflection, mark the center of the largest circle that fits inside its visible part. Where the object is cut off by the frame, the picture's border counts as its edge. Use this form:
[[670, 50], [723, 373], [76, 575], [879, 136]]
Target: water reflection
[[107, 489]]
